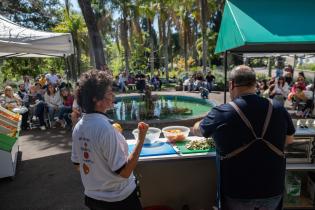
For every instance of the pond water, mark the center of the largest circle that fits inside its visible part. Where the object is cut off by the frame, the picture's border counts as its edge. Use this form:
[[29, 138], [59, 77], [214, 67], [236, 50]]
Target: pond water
[[160, 107]]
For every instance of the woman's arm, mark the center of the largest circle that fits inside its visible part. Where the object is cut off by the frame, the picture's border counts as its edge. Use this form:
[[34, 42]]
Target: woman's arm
[[134, 156], [17, 99]]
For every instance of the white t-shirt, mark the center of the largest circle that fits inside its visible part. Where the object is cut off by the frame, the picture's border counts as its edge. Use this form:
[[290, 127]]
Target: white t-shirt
[[101, 150], [282, 90], [121, 79], [53, 100]]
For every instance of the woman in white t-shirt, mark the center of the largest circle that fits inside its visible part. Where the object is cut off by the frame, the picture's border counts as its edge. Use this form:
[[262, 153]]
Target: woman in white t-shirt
[[100, 151], [281, 90], [53, 101]]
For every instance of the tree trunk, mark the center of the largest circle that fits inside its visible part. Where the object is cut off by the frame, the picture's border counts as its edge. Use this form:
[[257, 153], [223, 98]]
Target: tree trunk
[[162, 40], [71, 66], [77, 55], [168, 39], [138, 29], [195, 37], [152, 48], [97, 44], [124, 39], [78, 62], [131, 36], [204, 37], [185, 49]]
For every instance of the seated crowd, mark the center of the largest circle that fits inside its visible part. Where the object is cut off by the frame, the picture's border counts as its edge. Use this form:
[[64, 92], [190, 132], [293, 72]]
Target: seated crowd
[[47, 101], [282, 88], [197, 82], [136, 82]]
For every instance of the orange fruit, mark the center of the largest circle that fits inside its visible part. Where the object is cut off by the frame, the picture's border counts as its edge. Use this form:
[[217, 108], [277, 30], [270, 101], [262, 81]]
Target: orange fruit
[[118, 127]]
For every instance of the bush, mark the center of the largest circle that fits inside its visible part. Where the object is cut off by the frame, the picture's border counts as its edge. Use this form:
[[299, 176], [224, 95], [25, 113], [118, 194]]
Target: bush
[[262, 76], [219, 81], [310, 66]]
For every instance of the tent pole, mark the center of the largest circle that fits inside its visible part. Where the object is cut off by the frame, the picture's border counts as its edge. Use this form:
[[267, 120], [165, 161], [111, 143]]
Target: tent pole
[[225, 74], [313, 89], [67, 67]]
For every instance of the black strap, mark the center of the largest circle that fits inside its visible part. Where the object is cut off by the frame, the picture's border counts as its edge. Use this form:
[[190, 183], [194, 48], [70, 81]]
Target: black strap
[[248, 124]]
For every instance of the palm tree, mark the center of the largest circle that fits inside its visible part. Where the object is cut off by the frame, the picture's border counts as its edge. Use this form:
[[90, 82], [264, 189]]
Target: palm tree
[[183, 23], [149, 9], [124, 33], [204, 10], [74, 24], [96, 40], [165, 22]]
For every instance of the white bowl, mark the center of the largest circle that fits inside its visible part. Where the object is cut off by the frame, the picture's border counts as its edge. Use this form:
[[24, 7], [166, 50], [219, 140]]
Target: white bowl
[[151, 137], [181, 134]]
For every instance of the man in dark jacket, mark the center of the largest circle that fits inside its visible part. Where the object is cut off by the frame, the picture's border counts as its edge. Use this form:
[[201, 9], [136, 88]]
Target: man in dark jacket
[[250, 135]]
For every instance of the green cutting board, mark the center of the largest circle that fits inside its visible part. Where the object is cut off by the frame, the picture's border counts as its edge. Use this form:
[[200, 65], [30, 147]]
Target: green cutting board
[[181, 147], [6, 142]]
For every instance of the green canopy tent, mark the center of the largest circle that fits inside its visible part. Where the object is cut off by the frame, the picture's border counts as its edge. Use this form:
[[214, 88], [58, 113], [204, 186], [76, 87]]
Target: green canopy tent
[[268, 26]]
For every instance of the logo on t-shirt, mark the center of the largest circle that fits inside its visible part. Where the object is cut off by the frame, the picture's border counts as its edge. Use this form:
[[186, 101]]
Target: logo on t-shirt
[[86, 155], [86, 169]]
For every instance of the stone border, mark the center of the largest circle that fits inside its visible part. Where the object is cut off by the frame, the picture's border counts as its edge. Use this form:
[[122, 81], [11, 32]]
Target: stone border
[[165, 122]]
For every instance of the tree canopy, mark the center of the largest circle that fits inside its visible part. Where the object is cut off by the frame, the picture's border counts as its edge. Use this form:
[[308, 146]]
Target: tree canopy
[[166, 36]]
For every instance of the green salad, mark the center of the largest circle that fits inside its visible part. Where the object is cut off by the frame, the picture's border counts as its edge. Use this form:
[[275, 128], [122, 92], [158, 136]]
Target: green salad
[[202, 144]]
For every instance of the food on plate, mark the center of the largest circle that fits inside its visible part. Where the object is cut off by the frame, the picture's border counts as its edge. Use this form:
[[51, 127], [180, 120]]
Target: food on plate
[[202, 144], [175, 135], [174, 131]]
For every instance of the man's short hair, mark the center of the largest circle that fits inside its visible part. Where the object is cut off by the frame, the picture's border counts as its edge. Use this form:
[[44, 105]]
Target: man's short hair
[[92, 88], [243, 76]]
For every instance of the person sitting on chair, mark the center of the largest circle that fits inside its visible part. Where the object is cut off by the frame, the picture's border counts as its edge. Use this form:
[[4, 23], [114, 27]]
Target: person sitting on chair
[[13, 102], [36, 102], [53, 101], [66, 108]]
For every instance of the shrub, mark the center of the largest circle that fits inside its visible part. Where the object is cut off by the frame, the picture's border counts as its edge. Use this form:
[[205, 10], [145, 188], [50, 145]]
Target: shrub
[[262, 76]]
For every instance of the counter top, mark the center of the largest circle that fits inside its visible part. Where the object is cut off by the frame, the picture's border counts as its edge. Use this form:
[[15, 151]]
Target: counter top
[[304, 132], [179, 156]]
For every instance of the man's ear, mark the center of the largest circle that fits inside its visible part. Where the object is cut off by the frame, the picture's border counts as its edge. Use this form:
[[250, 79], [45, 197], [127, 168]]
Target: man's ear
[[231, 84]]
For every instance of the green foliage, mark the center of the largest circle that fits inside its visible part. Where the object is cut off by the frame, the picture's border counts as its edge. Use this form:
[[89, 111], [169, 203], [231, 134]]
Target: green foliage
[[116, 63], [184, 17], [262, 76], [41, 15], [258, 62], [138, 61], [17, 67], [310, 66], [219, 81]]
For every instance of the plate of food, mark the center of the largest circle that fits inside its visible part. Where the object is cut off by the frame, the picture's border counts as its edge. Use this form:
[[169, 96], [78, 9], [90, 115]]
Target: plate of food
[[196, 146]]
